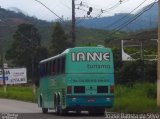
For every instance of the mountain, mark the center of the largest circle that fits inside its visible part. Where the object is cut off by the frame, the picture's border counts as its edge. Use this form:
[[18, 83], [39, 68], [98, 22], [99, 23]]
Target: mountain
[[147, 20], [9, 20], [88, 31]]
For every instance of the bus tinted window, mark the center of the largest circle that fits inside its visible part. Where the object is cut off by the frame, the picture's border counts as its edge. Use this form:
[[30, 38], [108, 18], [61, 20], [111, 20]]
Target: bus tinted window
[[46, 69], [53, 67], [49, 68], [41, 70], [58, 65], [63, 64]]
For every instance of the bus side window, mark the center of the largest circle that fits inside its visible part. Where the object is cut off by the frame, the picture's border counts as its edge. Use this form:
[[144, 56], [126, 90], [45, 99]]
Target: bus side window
[[63, 64], [43, 70], [49, 68], [46, 69], [40, 70], [53, 67], [58, 66]]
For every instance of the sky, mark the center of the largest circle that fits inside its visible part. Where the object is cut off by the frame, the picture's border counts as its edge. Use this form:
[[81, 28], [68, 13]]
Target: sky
[[63, 7]]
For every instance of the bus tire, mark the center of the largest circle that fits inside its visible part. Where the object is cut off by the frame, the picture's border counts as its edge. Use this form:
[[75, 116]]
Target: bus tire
[[40, 101], [96, 112], [78, 112], [57, 110], [58, 104], [62, 112], [55, 104], [55, 101], [45, 110]]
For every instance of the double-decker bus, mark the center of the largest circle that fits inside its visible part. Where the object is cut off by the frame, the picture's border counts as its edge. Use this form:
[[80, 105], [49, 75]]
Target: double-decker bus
[[79, 79]]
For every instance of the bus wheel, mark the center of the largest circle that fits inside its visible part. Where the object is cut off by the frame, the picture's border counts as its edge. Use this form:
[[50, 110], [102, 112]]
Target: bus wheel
[[91, 113], [40, 101], [96, 112], [57, 105], [62, 112], [57, 110], [78, 112], [45, 110]]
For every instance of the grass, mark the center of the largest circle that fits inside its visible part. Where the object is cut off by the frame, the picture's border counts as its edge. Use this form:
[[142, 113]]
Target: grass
[[140, 98], [23, 93]]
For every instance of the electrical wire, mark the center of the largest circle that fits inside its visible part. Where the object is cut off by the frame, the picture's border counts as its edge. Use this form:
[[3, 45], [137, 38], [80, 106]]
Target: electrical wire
[[111, 8], [128, 14], [133, 19], [101, 11], [114, 6], [50, 10]]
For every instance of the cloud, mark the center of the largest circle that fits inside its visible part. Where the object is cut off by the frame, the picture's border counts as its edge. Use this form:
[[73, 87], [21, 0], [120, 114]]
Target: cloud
[[63, 7]]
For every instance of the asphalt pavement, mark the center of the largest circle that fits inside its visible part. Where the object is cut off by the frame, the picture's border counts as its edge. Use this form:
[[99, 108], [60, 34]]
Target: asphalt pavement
[[13, 109]]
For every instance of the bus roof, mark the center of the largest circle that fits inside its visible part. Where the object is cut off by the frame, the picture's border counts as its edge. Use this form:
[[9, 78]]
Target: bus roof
[[54, 57], [67, 51]]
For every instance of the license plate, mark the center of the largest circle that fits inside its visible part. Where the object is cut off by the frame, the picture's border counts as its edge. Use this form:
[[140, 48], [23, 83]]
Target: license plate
[[91, 100]]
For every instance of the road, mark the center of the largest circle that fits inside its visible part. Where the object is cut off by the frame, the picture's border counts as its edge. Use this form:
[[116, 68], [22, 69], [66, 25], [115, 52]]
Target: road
[[13, 106], [12, 109]]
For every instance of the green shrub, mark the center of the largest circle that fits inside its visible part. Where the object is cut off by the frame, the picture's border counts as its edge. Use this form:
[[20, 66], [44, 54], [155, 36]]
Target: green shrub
[[18, 93], [139, 98]]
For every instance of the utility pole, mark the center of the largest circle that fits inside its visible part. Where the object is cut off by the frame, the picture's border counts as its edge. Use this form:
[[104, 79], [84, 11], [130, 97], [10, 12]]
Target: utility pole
[[32, 61], [158, 61], [2, 67], [73, 24], [142, 61], [141, 50]]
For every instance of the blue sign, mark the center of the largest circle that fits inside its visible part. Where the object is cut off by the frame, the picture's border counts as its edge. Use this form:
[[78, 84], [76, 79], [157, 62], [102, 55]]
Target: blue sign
[[6, 78]]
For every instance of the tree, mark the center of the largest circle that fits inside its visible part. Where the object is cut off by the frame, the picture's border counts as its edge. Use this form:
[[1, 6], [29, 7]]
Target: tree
[[59, 40], [25, 49]]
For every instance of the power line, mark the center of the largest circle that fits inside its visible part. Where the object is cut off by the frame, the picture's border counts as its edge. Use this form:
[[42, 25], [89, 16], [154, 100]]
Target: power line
[[111, 8], [107, 9], [115, 6], [101, 11], [73, 19], [128, 14], [133, 19], [49, 10]]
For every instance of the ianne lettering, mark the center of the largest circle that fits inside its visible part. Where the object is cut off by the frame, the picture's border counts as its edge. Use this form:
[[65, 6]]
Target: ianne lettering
[[81, 56]]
